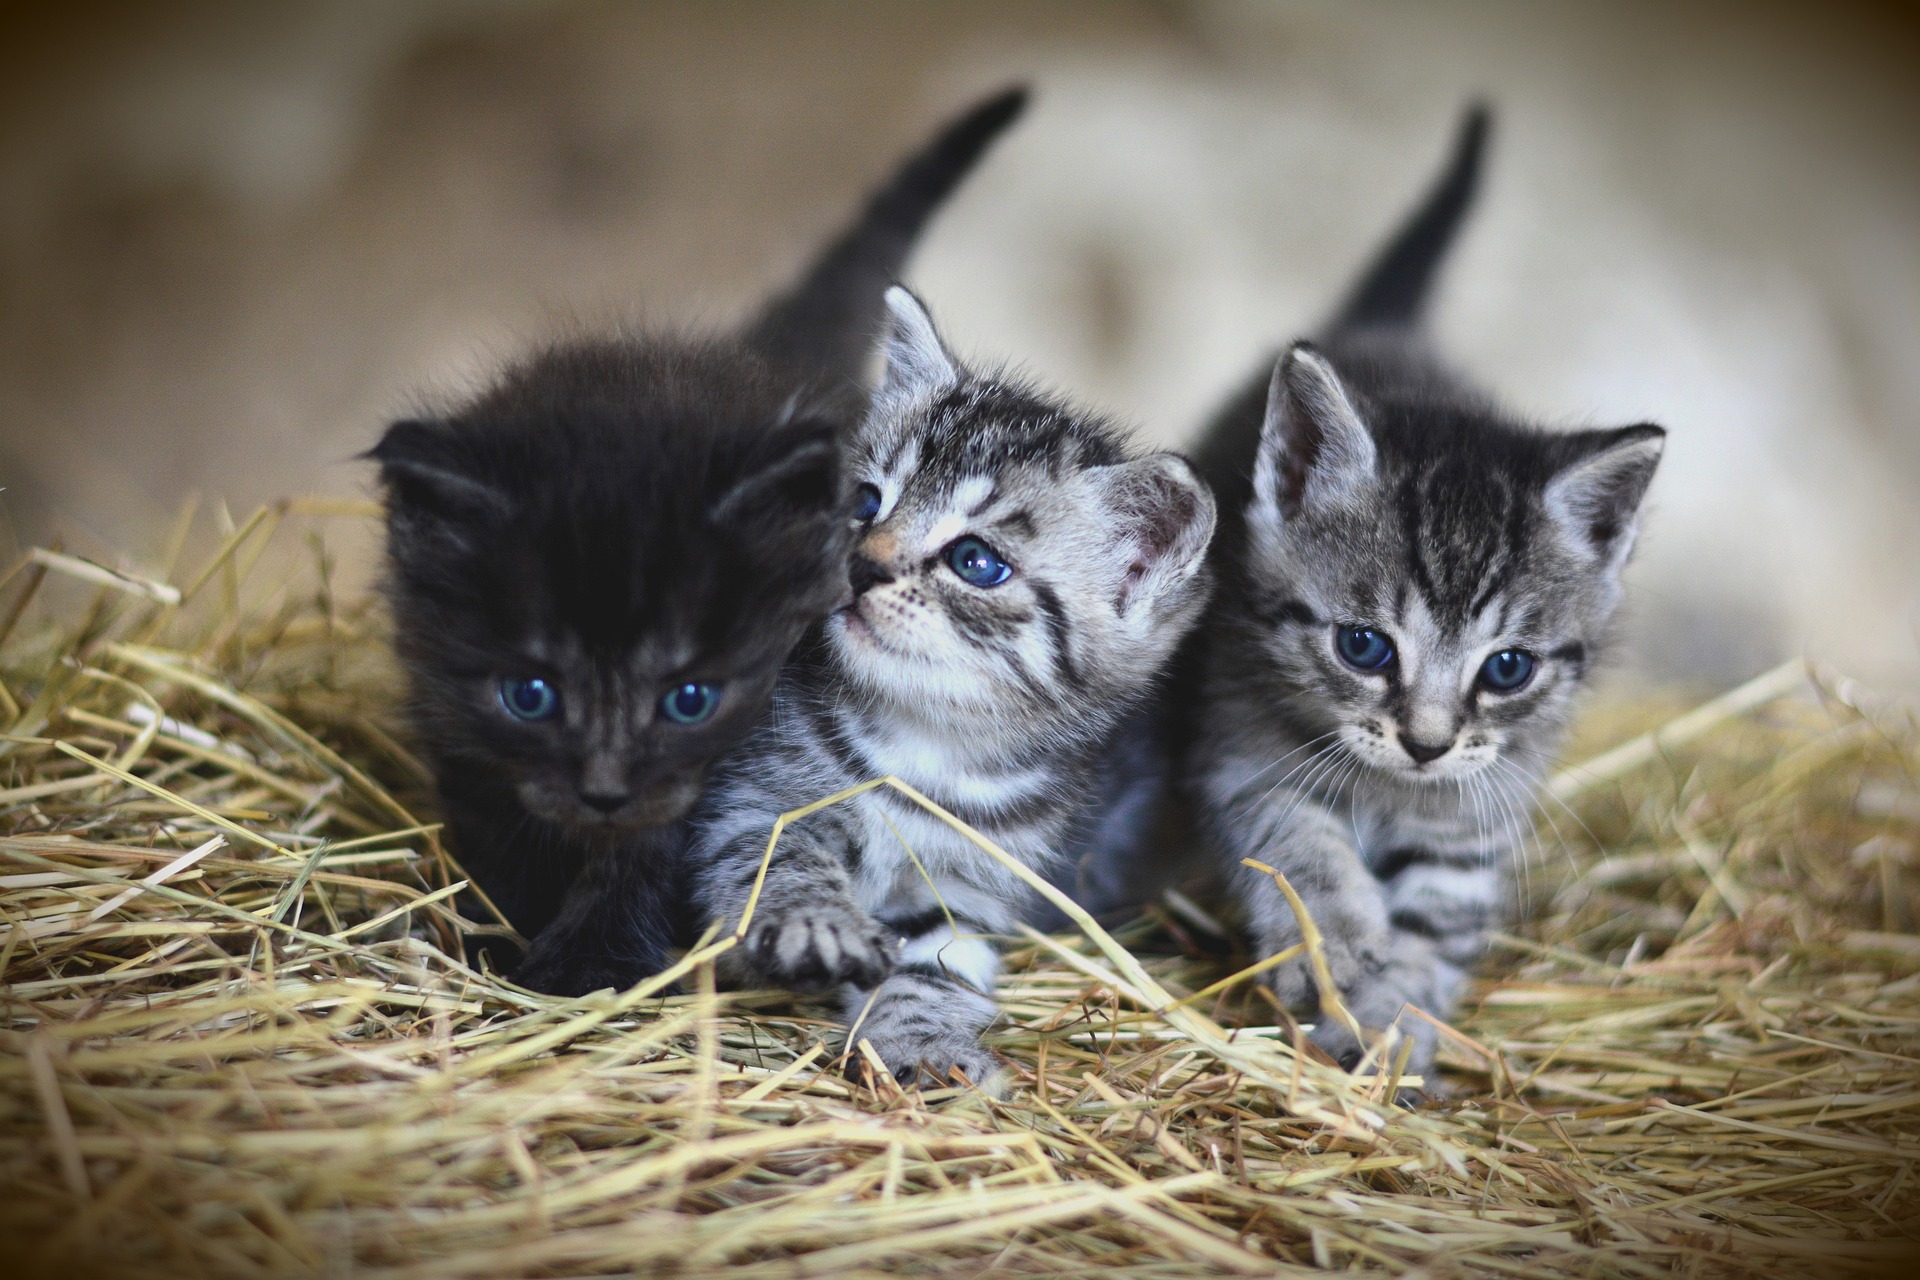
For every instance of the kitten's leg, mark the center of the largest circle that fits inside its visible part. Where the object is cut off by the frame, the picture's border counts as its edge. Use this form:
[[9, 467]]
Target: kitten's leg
[[1314, 852], [1441, 901], [1379, 966], [524, 871], [929, 1014], [613, 928], [807, 933]]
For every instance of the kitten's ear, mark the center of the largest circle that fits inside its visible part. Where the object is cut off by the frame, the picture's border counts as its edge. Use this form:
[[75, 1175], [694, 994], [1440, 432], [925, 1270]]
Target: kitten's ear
[[917, 362], [1595, 499], [1314, 448], [1165, 513], [803, 477], [424, 470]]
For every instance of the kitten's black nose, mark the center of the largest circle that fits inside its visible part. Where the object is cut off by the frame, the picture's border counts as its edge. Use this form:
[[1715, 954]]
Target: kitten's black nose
[[1424, 751], [604, 801], [864, 574]]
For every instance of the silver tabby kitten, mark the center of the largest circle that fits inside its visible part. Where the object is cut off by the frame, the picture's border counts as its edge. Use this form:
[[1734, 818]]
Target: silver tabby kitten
[[1413, 587], [1020, 580]]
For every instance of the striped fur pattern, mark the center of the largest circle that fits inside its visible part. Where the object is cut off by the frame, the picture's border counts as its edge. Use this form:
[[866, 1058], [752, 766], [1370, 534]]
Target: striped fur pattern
[[1366, 489], [992, 700]]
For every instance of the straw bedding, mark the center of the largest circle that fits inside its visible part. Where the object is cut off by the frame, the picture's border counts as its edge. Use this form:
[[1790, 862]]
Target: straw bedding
[[240, 1038]]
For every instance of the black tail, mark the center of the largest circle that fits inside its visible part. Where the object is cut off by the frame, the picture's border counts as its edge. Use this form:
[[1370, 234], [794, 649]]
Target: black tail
[[1394, 290], [826, 325]]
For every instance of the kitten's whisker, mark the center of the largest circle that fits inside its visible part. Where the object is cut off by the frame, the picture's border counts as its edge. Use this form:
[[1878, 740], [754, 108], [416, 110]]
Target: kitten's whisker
[[1310, 762], [1541, 789], [1534, 791], [1264, 770], [1329, 759], [1519, 832]]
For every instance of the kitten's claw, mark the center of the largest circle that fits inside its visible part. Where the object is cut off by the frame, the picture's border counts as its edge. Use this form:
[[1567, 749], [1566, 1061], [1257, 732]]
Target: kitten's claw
[[1352, 965], [816, 946], [1340, 1045], [939, 1060]]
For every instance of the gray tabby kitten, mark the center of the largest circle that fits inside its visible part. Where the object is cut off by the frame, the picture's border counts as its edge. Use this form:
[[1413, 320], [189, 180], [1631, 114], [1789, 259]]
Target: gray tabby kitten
[[1413, 586], [1019, 581]]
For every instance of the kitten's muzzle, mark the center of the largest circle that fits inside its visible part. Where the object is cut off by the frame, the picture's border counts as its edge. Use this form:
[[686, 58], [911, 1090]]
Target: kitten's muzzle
[[605, 812]]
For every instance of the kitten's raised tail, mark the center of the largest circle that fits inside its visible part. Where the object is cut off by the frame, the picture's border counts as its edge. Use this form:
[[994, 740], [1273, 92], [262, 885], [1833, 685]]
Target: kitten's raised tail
[[828, 323], [1394, 289]]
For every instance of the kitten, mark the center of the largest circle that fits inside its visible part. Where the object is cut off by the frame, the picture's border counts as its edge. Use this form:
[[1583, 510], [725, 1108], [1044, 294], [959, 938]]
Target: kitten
[[598, 565], [1413, 587], [1020, 579]]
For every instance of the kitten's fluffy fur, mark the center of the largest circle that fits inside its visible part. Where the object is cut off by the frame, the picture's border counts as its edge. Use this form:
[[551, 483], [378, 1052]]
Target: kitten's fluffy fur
[[618, 518], [990, 699], [1364, 485]]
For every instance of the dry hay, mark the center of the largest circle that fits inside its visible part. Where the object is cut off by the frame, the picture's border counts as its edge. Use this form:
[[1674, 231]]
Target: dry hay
[[240, 1039]]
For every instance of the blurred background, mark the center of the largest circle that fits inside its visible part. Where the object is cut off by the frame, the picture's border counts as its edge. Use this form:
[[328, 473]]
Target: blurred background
[[235, 239]]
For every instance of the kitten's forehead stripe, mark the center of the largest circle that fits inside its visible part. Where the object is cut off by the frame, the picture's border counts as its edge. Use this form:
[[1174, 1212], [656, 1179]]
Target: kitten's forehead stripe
[[1461, 535], [983, 427]]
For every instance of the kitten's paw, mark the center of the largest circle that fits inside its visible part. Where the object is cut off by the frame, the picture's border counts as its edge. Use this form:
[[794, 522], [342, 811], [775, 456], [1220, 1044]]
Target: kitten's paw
[[561, 975], [1333, 1036], [814, 946], [1351, 963], [937, 1059]]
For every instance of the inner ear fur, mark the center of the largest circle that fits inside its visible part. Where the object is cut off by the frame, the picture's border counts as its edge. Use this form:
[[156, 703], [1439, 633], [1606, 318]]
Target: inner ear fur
[[1595, 498], [1314, 446], [914, 360], [1165, 517]]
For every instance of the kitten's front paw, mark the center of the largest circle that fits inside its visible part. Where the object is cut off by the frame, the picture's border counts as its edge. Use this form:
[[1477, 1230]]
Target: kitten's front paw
[[564, 975], [1351, 962], [1332, 1035], [814, 946], [937, 1058]]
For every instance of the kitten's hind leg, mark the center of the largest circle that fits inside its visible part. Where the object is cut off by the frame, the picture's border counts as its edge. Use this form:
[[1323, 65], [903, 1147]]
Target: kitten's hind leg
[[927, 1018]]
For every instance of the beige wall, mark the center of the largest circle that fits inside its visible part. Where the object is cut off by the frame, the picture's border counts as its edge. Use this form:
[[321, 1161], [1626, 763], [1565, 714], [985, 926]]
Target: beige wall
[[235, 238]]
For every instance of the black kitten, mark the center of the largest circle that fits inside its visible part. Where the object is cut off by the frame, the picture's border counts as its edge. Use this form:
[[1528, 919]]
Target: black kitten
[[598, 566]]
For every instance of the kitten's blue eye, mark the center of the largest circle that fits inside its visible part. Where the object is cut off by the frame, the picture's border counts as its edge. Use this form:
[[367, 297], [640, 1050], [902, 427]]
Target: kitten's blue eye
[[866, 503], [691, 703], [1363, 648], [977, 563], [1507, 670], [529, 697]]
